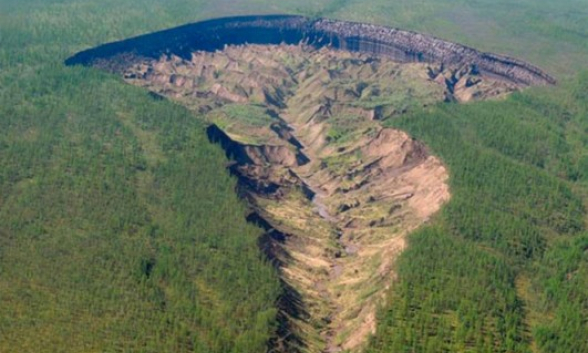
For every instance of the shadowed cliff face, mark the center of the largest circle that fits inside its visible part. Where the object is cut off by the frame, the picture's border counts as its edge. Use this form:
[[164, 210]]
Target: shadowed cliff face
[[402, 46], [299, 113]]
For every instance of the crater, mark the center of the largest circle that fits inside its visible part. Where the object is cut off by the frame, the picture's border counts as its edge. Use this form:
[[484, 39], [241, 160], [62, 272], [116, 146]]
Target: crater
[[297, 104]]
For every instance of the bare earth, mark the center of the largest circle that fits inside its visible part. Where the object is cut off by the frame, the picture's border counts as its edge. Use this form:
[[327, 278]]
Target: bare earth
[[339, 191]]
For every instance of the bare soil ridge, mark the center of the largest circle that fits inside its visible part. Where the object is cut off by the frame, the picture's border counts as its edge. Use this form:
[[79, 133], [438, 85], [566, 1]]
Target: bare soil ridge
[[401, 45]]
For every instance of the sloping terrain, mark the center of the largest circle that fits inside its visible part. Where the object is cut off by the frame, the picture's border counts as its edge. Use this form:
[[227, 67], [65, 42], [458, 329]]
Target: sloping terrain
[[112, 201], [336, 192]]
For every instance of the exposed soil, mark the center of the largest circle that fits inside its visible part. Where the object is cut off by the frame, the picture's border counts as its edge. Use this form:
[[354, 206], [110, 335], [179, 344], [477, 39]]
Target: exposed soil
[[335, 191]]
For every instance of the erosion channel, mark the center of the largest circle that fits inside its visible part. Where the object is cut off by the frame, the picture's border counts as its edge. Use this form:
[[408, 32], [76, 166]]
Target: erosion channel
[[300, 113]]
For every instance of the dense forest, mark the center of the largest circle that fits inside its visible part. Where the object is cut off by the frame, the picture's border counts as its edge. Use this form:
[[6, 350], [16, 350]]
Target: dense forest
[[504, 267], [120, 230]]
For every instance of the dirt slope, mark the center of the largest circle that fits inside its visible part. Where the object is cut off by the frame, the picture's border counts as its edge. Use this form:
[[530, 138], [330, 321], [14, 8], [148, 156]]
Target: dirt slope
[[336, 192]]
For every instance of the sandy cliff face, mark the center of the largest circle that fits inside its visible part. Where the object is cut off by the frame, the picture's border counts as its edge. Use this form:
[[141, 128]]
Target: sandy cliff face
[[299, 114]]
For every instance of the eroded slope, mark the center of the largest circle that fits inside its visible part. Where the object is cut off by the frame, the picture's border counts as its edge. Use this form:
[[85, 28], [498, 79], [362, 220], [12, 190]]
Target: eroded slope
[[336, 192], [371, 39]]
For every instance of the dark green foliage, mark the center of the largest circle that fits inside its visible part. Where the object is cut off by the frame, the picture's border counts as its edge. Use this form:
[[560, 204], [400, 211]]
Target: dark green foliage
[[120, 230], [120, 227], [452, 297], [513, 217], [564, 293]]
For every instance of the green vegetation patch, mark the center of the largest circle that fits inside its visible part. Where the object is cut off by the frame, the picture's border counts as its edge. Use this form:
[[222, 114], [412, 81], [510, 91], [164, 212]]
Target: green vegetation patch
[[246, 123], [120, 229], [513, 215]]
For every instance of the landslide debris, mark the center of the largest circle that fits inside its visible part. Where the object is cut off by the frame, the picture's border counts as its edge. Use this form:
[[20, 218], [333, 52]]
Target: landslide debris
[[335, 191]]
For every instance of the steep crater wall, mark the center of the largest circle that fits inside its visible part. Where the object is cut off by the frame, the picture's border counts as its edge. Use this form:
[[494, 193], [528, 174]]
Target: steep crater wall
[[403, 46], [296, 104]]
